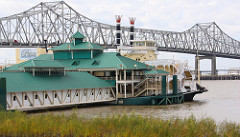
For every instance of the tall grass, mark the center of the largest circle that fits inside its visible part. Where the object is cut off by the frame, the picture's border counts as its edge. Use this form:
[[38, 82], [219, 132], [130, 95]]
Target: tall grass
[[21, 124]]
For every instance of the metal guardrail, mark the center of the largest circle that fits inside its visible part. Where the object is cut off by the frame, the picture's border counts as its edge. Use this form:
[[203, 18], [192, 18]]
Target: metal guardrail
[[219, 72], [219, 77]]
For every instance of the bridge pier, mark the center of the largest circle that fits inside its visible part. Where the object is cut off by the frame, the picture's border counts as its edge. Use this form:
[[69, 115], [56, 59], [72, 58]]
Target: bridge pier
[[213, 63]]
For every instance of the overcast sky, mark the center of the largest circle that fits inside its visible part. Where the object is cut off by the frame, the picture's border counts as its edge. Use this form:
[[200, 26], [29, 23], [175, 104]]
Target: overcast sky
[[171, 15]]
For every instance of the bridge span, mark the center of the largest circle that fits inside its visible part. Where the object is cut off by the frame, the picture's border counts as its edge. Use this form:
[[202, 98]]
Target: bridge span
[[55, 22]]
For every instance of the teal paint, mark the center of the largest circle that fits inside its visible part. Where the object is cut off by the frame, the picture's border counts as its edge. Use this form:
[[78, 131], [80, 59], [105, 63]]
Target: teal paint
[[136, 101], [112, 82], [175, 84], [152, 100], [82, 54], [78, 41], [3, 94], [164, 85], [62, 55], [95, 52]]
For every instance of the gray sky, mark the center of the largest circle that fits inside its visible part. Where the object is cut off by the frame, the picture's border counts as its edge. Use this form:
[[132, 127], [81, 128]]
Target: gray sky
[[171, 15]]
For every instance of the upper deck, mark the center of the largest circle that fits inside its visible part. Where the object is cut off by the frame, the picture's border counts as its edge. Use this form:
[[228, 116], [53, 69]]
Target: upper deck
[[138, 47]]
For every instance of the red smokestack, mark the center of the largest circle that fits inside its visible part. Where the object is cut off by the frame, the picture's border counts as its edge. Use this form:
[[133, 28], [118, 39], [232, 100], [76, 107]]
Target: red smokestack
[[118, 29], [132, 21]]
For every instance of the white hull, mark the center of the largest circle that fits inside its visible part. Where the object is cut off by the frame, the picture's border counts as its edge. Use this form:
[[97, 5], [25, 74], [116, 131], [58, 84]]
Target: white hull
[[52, 99]]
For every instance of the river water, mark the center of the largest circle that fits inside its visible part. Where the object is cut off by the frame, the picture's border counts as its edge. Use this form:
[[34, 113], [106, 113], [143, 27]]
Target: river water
[[221, 102]]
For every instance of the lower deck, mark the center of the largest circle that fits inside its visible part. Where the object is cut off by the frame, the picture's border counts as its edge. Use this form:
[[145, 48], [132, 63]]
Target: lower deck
[[153, 100], [57, 98]]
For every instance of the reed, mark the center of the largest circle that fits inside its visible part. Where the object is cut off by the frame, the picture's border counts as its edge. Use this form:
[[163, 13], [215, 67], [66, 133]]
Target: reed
[[21, 124]]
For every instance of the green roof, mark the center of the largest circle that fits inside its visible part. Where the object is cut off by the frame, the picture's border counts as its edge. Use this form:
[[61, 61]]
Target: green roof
[[44, 63], [130, 63], [155, 72], [78, 35], [112, 82], [108, 60], [82, 46], [20, 66], [23, 81], [44, 57]]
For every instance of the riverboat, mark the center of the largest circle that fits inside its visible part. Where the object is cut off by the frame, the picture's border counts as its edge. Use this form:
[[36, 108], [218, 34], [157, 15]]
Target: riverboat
[[80, 72]]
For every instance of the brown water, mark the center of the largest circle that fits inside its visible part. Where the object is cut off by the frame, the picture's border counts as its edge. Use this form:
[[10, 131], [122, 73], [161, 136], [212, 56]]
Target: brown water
[[221, 102]]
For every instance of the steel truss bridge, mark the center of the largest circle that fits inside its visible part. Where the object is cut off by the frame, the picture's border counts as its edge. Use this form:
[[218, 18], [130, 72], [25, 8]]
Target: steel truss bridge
[[57, 21]]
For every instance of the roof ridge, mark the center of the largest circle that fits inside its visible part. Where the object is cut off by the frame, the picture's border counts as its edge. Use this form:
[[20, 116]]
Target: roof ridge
[[90, 44], [121, 62], [48, 60], [78, 35], [33, 62]]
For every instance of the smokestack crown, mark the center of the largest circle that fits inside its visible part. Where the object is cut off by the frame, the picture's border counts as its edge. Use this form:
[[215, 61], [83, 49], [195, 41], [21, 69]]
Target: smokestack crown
[[132, 20], [118, 18]]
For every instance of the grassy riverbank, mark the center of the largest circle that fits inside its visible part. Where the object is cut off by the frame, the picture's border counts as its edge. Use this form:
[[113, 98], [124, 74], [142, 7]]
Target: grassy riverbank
[[21, 124]]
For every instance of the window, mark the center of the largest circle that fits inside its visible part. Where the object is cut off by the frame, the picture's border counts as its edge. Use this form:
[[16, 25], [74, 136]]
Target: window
[[36, 96], [14, 98], [75, 63], [46, 96], [107, 74], [25, 97]]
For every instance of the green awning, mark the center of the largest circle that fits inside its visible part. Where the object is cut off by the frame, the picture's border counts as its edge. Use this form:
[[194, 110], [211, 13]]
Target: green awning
[[112, 82]]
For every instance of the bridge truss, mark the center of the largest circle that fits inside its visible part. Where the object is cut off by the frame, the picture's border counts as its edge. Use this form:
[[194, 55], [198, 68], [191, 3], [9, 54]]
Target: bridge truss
[[57, 21]]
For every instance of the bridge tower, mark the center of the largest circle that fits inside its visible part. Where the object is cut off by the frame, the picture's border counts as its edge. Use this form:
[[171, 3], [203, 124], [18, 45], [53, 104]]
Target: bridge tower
[[213, 63]]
